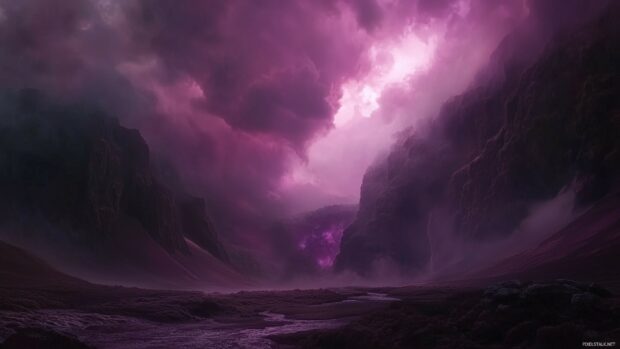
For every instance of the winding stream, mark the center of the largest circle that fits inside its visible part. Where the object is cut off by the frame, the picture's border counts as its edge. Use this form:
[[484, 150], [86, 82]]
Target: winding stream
[[120, 332]]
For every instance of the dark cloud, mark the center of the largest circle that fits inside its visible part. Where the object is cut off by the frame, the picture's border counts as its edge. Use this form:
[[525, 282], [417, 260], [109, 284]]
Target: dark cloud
[[269, 76], [268, 67], [368, 13], [36, 40], [435, 8], [289, 104]]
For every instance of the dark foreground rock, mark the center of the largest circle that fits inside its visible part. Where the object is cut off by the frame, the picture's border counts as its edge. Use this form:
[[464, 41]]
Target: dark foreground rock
[[511, 314], [57, 312], [557, 314]]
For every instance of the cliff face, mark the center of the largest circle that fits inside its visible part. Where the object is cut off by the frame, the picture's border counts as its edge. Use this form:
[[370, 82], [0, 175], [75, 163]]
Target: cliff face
[[538, 123], [396, 197], [561, 124], [86, 175]]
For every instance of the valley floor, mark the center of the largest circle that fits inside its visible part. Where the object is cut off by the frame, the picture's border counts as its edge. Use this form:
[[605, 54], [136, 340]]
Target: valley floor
[[555, 314]]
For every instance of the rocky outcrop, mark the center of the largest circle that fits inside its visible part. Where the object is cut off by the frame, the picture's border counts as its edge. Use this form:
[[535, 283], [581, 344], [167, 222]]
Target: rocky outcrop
[[538, 122], [88, 176]]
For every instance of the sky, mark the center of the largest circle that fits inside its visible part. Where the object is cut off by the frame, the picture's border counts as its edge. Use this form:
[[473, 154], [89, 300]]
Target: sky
[[265, 108], [281, 106]]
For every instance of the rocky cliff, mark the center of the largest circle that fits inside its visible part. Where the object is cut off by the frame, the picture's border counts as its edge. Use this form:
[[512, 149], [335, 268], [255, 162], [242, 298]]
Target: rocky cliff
[[538, 121], [79, 171], [560, 124]]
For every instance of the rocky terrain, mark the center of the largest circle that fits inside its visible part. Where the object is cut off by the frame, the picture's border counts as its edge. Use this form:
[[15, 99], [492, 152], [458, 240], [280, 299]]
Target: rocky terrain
[[557, 314], [47, 309]]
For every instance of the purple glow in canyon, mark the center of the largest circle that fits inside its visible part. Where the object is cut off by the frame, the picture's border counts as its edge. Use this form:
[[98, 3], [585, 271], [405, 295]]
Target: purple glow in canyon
[[323, 245]]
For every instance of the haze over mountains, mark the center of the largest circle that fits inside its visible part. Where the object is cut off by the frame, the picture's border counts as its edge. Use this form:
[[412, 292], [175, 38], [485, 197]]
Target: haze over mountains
[[309, 174], [123, 162]]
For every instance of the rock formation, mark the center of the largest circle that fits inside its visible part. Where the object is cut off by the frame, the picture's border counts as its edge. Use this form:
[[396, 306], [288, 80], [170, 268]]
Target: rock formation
[[537, 122], [82, 173]]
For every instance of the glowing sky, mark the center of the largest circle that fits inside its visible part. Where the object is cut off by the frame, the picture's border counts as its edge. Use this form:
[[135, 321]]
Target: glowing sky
[[356, 141], [391, 63], [408, 75]]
